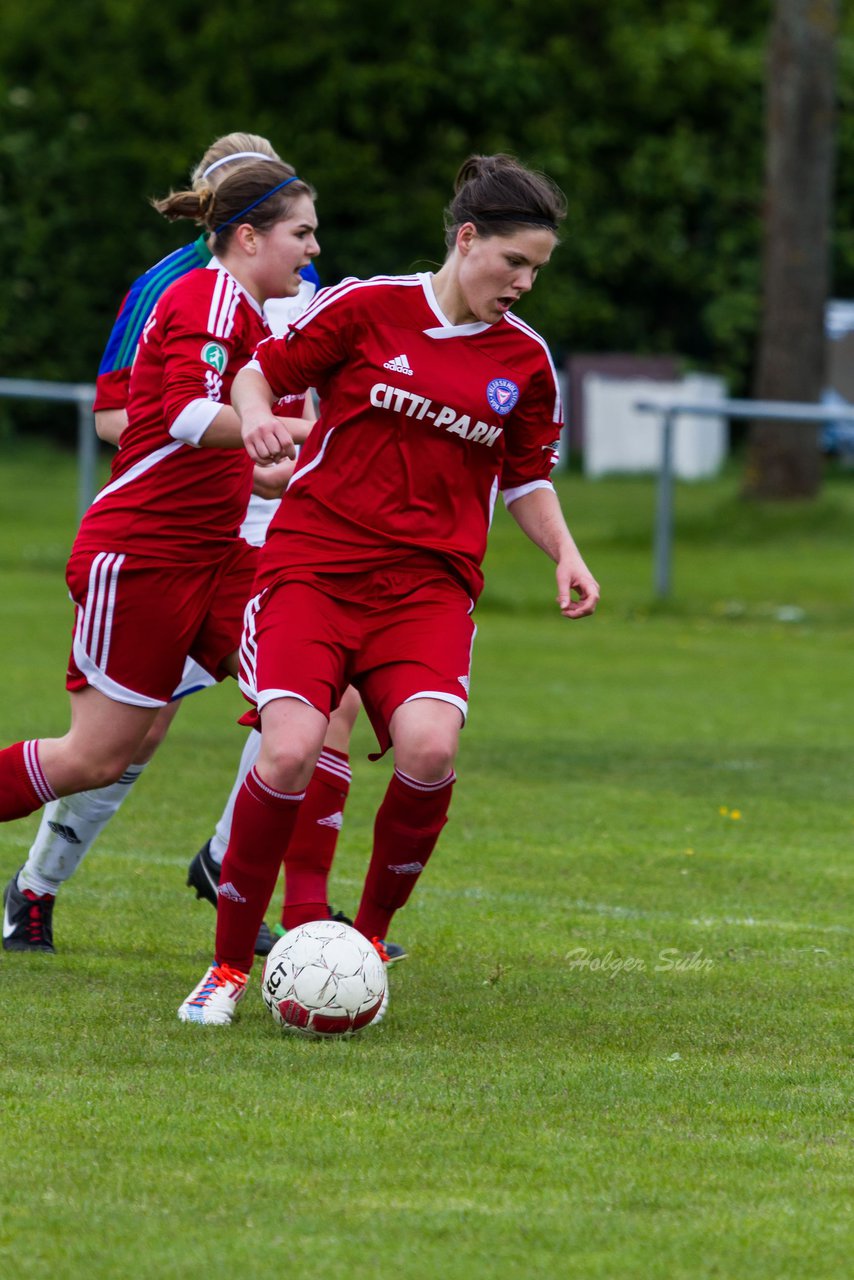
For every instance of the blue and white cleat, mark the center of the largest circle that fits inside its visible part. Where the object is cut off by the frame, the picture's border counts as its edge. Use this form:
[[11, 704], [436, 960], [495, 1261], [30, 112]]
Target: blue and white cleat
[[214, 1001]]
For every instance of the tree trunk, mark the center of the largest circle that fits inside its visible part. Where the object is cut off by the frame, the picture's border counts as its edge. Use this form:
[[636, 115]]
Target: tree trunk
[[784, 460]]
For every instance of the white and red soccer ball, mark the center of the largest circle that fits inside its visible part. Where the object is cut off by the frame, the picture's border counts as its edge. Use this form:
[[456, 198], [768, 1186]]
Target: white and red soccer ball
[[323, 979]]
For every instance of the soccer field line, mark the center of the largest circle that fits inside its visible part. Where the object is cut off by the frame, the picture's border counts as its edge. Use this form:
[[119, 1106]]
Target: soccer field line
[[611, 910], [606, 910], [704, 922]]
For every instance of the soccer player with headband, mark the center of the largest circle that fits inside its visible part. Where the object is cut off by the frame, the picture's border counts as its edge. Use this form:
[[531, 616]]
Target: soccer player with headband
[[71, 824], [158, 571]]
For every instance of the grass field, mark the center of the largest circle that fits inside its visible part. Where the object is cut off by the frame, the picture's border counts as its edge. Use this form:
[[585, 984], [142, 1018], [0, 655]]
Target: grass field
[[618, 1048]]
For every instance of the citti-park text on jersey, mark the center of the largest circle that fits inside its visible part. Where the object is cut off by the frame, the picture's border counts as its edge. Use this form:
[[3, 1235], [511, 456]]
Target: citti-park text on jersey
[[415, 406]]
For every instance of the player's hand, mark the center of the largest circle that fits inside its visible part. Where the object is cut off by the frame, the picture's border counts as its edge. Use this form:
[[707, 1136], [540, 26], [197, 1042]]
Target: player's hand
[[267, 440], [271, 479], [575, 579]]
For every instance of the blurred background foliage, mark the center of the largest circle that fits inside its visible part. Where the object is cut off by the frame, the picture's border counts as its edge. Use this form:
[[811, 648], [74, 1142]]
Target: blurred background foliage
[[649, 116]]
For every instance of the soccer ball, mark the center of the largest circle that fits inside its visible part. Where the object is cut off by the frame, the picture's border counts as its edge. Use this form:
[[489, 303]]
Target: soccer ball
[[323, 979]]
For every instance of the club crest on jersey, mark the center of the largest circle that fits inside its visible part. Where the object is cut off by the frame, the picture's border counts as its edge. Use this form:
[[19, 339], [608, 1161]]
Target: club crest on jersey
[[502, 395], [215, 355]]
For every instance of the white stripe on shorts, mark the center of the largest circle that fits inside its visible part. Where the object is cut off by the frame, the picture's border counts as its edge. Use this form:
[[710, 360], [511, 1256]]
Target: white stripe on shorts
[[95, 620], [246, 673], [94, 629], [460, 703]]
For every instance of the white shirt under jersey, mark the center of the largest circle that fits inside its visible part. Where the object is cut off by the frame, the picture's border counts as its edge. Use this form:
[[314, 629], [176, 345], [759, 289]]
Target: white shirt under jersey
[[280, 314]]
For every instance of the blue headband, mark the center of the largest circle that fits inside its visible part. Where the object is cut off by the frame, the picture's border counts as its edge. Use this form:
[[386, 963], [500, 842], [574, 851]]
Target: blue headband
[[266, 196]]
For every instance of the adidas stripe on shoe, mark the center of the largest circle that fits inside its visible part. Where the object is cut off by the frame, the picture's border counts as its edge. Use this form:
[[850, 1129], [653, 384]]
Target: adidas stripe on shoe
[[214, 1001]]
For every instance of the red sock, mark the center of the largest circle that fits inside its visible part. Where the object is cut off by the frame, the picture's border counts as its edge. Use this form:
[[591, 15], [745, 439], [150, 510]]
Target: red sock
[[312, 847], [23, 786], [406, 829], [260, 831]]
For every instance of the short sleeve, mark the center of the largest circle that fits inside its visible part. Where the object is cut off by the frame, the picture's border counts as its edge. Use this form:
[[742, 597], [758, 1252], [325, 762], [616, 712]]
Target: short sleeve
[[532, 436]]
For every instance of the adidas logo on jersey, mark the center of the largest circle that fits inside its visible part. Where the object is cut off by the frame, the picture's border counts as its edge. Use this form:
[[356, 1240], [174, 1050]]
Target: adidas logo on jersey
[[228, 890], [335, 820], [399, 364], [65, 833]]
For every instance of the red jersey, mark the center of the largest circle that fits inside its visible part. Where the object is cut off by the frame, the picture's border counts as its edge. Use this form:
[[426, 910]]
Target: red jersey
[[421, 424], [168, 499]]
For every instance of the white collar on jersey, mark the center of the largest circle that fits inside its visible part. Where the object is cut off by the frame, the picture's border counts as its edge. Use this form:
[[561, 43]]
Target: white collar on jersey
[[445, 328], [216, 265]]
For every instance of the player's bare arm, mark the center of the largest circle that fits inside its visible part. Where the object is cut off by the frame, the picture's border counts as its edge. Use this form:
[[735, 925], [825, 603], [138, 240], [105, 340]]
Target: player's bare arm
[[539, 516], [223, 431], [109, 424]]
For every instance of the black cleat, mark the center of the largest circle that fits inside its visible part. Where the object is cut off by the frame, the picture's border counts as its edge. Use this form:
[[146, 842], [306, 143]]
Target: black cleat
[[264, 941], [203, 876], [27, 919], [393, 952]]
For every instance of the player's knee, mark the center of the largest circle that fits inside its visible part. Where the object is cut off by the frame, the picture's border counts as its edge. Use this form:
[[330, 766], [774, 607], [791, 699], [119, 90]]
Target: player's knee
[[429, 758], [283, 766], [101, 770]]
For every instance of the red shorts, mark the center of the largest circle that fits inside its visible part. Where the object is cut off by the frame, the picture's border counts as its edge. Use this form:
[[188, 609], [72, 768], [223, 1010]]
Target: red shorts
[[137, 620], [393, 633]]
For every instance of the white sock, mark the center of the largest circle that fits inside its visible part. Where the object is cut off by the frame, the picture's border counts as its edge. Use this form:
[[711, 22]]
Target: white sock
[[220, 838], [68, 829]]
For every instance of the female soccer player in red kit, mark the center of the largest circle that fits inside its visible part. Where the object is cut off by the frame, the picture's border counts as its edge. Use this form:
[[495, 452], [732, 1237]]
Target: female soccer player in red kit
[[158, 571], [71, 824], [434, 397]]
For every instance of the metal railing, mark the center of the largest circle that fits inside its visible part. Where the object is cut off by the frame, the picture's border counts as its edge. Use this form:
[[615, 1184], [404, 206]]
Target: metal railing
[[669, 412], [83, 395]]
